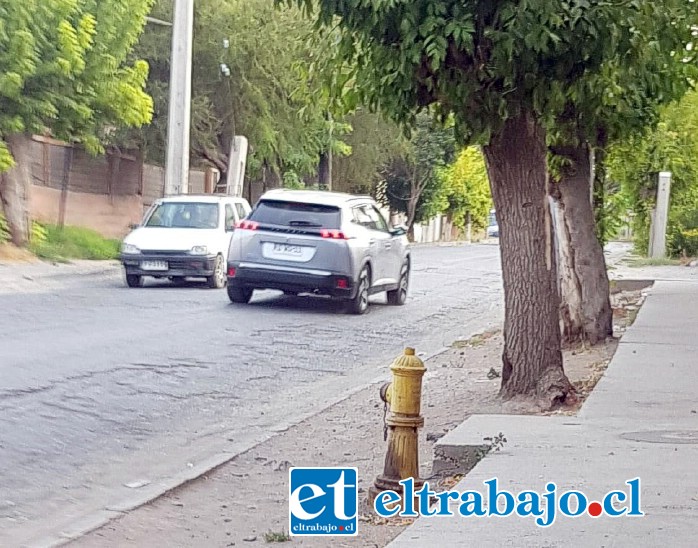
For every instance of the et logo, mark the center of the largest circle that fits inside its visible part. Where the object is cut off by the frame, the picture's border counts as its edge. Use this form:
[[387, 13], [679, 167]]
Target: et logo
[[323, 501]]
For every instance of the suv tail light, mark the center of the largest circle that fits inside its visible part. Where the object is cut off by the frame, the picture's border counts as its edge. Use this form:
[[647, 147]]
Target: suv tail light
[[247, 225], [333, 234]]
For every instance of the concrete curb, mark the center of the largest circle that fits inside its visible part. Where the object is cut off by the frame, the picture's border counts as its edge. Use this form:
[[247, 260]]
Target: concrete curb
[[457, 243], [103, 516], [64, 271]]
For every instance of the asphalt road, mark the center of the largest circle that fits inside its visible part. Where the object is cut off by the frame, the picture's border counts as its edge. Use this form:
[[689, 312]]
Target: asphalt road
[[109, 395]]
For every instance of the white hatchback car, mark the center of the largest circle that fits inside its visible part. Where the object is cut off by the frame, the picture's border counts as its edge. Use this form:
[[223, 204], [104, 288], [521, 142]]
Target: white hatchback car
[[183, 236]]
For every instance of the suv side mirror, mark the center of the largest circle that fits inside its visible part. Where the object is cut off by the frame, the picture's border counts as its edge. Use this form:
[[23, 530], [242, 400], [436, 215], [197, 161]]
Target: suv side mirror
[[398, 230], [133, 226]]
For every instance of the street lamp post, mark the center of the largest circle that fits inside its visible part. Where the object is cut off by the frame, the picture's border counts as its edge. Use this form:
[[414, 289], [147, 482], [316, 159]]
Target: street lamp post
[[179, 117]]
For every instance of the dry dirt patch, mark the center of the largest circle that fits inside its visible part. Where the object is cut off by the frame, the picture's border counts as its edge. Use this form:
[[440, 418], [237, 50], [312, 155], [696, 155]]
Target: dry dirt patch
[[12, 254]]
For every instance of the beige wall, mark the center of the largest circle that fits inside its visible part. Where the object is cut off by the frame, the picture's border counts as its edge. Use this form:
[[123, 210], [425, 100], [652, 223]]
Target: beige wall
[[110, 216], [105, 193]]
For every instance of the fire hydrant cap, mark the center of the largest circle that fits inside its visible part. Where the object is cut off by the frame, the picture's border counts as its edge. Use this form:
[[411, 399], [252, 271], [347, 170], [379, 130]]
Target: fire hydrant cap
[[408, 361]]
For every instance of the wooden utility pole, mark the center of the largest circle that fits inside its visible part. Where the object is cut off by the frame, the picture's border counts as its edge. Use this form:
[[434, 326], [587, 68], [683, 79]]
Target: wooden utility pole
[[179, 118]]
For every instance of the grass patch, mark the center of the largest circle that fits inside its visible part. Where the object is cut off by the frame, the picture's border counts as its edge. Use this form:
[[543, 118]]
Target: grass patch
[[645, 261], [475, 340], [4, 230], [73, 242], [632, 316], [273, 536]]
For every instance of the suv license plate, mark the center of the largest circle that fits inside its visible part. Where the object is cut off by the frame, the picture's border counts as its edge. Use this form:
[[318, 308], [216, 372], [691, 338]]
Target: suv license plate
[[287, 249], [154, 265]]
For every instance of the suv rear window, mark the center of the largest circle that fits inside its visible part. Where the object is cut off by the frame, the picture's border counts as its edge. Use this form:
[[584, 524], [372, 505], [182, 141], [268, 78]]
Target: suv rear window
[[296, 215]]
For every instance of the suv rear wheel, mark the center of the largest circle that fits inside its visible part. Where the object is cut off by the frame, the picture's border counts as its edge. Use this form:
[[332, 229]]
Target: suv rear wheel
[[240, 295], [359, 304]]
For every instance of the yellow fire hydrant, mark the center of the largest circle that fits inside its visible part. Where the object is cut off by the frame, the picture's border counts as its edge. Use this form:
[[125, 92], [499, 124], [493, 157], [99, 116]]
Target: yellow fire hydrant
[[403, 395]]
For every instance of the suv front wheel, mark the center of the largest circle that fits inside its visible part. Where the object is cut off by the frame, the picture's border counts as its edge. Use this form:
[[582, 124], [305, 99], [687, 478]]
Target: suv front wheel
[[359, 304], [398, 296]]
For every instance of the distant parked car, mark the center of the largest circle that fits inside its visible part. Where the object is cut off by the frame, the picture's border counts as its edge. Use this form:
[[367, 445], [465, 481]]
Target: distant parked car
[[317, 242], [493, 226], [183, 237]]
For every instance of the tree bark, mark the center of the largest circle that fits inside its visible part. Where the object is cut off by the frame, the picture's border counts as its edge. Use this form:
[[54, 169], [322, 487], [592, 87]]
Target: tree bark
[[14, 190], [532, 359], [586, 306], [412, 209], [220, 163], [410, 232], [569, 286], [323, 170], [598, 193]]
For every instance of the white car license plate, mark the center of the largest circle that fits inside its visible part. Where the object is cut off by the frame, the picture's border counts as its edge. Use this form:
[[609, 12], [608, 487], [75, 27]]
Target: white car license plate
[[154, 265]]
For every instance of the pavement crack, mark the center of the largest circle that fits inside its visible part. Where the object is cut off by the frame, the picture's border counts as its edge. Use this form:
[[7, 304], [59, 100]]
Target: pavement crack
[[146, 392], [135, 366], [262, 377], [69, 409], [313, 370], [16, 392]]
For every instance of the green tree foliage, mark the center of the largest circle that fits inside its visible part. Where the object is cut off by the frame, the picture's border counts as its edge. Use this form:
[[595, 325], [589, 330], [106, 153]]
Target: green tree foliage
[[257, 99], [64, 67], [412, 181], [291, 98], [626, 95], [273, 95], [478, 59], [65, 70], [467, 189], [671, 146], [374, 141]]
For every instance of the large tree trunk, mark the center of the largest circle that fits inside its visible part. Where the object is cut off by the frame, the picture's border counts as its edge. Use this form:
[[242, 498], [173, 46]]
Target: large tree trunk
[[532, 359], [14, 190], [411, 213], [323, 170], [586, 306]]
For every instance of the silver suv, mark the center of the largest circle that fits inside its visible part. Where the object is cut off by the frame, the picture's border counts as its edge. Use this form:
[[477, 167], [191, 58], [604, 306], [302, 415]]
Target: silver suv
[[323, 243]]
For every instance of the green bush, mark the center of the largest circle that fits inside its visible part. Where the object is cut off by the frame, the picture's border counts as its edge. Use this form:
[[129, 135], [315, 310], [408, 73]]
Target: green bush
[[72, 242], [38, 234], [4, 230], [671, 145], [292, 180], [682, 234]]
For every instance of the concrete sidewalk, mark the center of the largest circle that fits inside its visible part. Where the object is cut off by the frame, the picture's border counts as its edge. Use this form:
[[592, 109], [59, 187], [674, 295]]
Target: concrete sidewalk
[[25, 276], [640, 421]]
